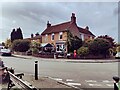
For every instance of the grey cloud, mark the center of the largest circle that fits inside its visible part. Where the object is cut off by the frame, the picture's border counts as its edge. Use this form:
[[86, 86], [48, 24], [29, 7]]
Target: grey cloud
[[32, 16]]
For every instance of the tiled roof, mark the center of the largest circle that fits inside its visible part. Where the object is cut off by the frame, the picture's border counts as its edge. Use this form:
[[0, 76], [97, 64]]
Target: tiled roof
[[57, 28], [66, 26], [34, 38], [37, 37], [85, 31]]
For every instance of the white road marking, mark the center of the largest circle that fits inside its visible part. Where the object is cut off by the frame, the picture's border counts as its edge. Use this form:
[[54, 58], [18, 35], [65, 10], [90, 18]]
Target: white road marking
[[69, 80], [90, 81], [94, 84], [110, 85], [78, 84], [58, 79], [107, 81]]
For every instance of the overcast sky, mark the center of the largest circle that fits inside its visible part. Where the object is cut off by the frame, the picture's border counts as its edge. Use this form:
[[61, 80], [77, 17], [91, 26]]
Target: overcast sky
[[31, 17]]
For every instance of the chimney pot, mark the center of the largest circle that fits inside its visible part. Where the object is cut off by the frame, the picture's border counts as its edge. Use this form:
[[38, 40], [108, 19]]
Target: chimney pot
[[87, 28], [32, 35], [48, 24], [73, 18]]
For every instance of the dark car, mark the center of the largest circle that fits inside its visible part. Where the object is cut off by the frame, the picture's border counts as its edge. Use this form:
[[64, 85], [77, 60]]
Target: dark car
[[5, 52]]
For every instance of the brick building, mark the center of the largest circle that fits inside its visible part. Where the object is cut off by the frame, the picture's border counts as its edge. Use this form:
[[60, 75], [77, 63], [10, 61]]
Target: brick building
[[57, 34]]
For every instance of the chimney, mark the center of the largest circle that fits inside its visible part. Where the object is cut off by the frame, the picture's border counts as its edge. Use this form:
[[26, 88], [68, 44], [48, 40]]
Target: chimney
[[37, 34], [73, 18], [87, 28], [48, 24], [32, 35]]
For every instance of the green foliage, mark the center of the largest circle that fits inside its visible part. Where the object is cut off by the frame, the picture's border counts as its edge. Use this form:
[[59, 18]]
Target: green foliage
[[82, 51], [100, 46], [118, 48], [35, 50], [110, 39], [20, 45], [8, 43], [73, 42], [35, 46], [87, 43]]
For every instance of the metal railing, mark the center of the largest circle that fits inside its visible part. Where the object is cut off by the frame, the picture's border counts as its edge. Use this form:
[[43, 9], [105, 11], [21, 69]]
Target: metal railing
[[16, 81]]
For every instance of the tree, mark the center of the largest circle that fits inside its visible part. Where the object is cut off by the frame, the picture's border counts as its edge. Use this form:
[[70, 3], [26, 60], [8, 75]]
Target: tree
[[100, 46], [13, 35], [73, 42], [110, 39], [118, 47], [8, 43], [20, 45], [34, 47], [19, 33], [87, 43], [76, 43], [16, 34]]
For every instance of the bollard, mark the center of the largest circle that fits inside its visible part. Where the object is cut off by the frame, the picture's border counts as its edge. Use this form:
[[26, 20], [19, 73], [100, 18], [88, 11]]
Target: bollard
[[116, 83], [36, 70]]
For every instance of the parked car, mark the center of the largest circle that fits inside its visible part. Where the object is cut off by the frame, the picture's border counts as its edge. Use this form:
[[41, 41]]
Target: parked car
[[117, 56], [5, 52]]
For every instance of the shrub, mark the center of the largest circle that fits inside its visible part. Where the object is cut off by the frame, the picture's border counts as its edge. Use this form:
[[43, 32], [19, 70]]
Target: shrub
[[100, 47], [35, 50], [20, 45], [83, 51]]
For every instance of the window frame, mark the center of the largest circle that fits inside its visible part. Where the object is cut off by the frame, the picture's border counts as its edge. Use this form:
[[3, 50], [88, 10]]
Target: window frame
[[60, 33], [52, 38]]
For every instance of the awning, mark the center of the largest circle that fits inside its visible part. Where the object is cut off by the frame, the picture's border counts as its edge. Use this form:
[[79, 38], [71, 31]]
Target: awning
[[60, 42], [43, 44], [46, 45]]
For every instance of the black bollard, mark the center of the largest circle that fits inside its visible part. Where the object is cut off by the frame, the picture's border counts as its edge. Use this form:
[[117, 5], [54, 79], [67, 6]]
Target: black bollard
[[36, 70], [116, 81]]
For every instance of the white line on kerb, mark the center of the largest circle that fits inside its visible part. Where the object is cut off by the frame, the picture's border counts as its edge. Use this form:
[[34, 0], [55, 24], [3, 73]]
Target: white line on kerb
[[69, 80], [107, 81], [90, 81], [58, 79], [77, 84], [94, 84], [110, 85]]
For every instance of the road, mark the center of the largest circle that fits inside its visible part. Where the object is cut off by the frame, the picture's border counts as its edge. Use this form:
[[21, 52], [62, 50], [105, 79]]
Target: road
[[83, 75]]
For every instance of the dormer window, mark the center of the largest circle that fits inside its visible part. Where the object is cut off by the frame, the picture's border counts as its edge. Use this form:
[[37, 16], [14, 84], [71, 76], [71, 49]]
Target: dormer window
[[60, 35], [52, 36]]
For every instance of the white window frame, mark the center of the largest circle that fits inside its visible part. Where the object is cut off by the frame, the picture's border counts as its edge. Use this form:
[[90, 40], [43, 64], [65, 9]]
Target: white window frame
[[60, 33], [46, 37], [52, 36], [82, 37]]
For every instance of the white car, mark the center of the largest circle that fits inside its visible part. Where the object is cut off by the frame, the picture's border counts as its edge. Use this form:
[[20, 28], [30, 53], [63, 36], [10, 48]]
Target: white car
[[117, 55], [5, 52]]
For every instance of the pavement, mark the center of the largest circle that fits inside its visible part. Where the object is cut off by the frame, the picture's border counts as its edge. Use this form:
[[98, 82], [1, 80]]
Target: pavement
[[70, 60], [46, 83], [43, 83]]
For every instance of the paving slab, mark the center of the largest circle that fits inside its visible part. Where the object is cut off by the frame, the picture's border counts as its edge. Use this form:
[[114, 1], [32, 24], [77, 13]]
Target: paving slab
[[45, 83]]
